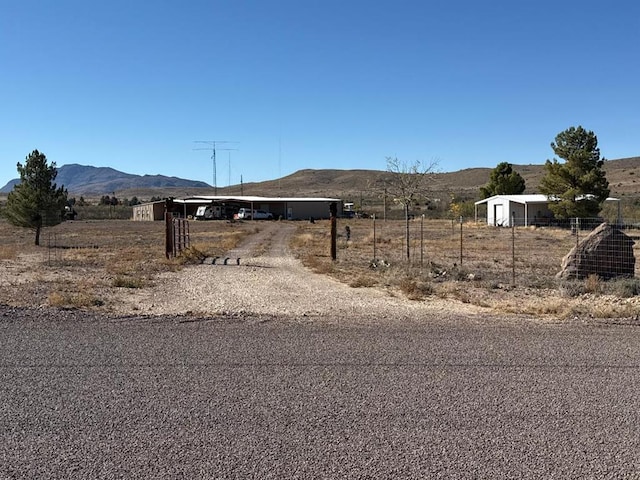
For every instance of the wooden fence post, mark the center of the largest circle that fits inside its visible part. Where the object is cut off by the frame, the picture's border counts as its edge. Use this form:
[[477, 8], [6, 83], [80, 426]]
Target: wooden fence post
[[333, 208], [168, 230]]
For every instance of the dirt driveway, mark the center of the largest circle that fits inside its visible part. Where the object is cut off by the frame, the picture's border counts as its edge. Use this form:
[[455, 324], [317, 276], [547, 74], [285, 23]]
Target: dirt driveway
[[269, 281]]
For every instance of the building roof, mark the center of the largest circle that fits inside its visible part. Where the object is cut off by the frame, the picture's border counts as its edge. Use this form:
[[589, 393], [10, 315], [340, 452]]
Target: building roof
[[530, 198], [250, 199]]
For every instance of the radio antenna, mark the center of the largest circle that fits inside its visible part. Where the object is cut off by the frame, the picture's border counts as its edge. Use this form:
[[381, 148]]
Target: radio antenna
[[212, 148]]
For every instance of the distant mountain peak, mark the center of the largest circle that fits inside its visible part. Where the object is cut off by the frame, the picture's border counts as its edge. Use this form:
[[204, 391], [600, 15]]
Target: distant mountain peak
[[89, 180]]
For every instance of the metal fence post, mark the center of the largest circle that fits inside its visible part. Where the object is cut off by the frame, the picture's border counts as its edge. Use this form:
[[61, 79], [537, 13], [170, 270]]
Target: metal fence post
[[513, 249], [422, 241], [460, 240], [374, 237], [333, 209]]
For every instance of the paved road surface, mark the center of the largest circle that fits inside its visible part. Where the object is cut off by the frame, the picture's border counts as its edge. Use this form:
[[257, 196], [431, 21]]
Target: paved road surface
[[90, 397]]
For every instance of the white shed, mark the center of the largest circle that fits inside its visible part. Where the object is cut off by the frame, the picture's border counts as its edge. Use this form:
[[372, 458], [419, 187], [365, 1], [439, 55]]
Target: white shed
[[524, 209]]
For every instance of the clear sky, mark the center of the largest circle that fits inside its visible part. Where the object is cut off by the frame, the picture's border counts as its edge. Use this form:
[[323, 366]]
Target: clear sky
[[132, 84]]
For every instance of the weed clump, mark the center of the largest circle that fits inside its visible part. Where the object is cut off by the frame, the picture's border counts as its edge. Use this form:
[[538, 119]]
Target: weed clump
[[415, 288], [73, 300]]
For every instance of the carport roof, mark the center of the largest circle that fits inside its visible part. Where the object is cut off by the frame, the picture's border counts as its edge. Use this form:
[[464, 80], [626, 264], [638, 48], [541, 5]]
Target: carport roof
[[250, 199]]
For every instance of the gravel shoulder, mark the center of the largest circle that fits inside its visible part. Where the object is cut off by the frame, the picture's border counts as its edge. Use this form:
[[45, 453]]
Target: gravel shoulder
[[270, 281]]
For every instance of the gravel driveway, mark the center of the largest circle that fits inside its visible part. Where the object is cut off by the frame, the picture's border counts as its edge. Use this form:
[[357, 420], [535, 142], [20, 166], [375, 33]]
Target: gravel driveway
[[269, 281]]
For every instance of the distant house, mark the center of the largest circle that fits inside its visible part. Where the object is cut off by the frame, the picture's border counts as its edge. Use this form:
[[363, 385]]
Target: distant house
[[291, 208], [522, 210]]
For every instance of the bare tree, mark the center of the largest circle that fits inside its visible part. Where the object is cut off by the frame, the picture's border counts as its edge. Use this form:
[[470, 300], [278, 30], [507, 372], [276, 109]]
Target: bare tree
[[407, 183]]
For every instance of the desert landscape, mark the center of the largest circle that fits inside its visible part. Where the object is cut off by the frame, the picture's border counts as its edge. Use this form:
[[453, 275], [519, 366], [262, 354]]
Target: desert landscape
[[119, 267]]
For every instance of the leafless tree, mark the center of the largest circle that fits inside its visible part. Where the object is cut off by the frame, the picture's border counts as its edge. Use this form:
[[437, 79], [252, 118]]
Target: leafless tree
[[407, 183]]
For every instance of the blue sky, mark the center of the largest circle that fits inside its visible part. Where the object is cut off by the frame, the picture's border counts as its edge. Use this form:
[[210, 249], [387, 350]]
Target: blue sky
[[312, 84]]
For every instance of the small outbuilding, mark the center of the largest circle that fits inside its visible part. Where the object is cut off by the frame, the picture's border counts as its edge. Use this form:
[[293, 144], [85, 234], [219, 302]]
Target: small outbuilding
[[524, 210], [521, 210], [148, 212]]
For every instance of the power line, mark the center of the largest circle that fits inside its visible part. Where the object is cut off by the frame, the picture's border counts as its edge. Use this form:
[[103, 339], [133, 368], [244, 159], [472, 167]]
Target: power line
[[212, 147]]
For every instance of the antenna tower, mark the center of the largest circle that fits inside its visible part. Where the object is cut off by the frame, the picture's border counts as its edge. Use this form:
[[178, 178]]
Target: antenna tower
[[212, 148]]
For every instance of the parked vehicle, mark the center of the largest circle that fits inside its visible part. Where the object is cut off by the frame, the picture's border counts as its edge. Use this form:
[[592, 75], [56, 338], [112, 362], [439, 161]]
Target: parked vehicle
[[247, 214], [208, 212]]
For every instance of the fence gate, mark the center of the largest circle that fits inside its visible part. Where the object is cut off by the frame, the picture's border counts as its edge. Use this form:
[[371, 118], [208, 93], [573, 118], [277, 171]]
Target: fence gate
[[176, 235]]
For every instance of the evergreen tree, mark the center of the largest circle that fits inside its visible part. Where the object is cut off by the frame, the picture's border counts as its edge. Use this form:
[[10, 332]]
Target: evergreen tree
[[578, 186], [503, 181], [36, 201]]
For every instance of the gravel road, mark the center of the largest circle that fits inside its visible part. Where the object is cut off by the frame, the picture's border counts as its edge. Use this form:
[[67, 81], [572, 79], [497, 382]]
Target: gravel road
[[427, 393], [91, 397]]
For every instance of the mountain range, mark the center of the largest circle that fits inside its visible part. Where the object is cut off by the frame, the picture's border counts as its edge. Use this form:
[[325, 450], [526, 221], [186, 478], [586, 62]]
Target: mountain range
[[87, 180], [623, 176]]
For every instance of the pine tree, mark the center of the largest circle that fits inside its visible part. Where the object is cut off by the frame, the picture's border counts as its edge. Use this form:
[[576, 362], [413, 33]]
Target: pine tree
[[36, 201], [577, 187], [503, 180]]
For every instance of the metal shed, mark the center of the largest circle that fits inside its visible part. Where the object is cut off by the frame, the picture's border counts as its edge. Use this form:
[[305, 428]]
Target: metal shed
[[524, 209]]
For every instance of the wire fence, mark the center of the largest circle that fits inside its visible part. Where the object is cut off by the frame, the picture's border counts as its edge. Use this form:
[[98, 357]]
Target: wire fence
[[531, 255], [442, 249]]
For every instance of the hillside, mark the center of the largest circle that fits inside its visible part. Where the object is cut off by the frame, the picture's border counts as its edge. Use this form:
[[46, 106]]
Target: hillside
[[87, 180], [623, 175]]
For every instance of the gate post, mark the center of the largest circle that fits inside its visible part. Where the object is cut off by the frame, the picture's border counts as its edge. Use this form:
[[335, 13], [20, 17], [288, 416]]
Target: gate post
[[168, 235], [333, 208]]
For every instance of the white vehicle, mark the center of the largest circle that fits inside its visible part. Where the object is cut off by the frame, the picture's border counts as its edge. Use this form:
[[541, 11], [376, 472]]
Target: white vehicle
[[247, 214], [208, 212]]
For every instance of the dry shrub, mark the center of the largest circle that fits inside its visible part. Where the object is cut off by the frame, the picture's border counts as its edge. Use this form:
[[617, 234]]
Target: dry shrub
[[546, 306], [592, 284], [8, 252], [571, 289], [415, 288], [361, 281], [73, 300], [608, 310], [301, 240], [323, 265], [603, 310], [192, 255], [624, 287]]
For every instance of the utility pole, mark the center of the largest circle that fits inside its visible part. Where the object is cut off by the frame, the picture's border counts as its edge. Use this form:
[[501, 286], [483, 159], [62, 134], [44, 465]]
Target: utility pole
[[212, 147]]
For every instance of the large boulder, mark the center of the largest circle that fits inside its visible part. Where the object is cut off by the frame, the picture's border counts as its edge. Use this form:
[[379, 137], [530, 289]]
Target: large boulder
[[606, 252]]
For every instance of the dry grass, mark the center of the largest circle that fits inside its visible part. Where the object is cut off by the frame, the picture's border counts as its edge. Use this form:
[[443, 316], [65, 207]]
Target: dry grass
[[80, 300], [86, 264], [9, 252], [499, 269], [82, 264]]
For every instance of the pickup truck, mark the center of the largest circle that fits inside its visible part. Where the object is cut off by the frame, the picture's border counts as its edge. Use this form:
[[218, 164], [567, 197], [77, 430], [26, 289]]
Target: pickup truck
[[247, 214]]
